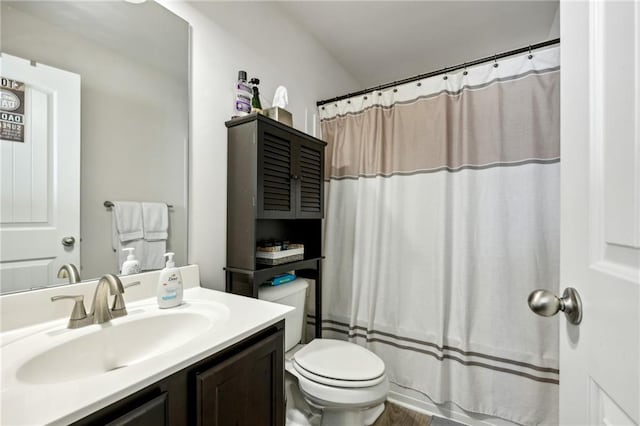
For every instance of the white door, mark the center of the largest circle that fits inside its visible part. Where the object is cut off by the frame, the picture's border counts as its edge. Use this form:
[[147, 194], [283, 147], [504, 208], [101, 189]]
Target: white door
[[40, 176], [600, 248]]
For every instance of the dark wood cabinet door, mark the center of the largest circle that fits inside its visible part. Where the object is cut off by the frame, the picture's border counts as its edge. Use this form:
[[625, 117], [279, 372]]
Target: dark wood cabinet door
[[309, 183], [246, 389], [152, 413], [276, 198]]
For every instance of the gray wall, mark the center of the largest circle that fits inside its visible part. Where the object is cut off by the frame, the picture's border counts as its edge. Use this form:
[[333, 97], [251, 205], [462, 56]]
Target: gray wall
[[134, 130]]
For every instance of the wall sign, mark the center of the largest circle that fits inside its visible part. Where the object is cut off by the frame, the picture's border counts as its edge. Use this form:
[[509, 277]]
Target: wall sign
[[11, 110]]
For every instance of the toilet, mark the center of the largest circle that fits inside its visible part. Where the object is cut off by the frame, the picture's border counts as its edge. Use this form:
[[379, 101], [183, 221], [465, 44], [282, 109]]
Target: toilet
[[327, 381]]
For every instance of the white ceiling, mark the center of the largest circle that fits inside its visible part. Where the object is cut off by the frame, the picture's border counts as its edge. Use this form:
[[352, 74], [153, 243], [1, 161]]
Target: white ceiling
[[383, 41]]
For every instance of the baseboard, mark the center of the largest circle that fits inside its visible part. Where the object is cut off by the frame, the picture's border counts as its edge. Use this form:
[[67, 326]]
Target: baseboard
[[449, 411]]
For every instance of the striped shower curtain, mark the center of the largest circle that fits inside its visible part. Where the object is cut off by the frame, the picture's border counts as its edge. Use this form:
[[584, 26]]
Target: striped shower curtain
[[442, 215]]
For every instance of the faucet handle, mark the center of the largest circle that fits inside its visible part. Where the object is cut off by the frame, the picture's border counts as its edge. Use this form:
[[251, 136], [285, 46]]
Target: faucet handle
[[78, 313], [131, 284], [118, 308]]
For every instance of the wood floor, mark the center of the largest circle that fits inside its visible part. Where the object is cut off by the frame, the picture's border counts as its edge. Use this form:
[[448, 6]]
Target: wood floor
[[395, 415]]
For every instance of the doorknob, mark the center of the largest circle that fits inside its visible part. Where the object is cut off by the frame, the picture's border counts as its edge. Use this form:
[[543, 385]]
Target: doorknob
[[547, 304], [68, 241]]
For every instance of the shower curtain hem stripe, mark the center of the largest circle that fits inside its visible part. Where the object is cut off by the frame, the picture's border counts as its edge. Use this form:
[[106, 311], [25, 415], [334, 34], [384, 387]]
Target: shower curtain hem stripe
[[449, 169], [446, 357], [441, 348]]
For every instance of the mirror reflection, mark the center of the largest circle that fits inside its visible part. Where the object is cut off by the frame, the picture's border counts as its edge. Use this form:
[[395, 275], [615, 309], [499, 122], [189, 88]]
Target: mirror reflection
[[94, 104]]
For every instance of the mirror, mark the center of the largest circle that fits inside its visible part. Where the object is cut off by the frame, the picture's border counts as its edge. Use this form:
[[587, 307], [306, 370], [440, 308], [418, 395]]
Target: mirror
[[95, 103]]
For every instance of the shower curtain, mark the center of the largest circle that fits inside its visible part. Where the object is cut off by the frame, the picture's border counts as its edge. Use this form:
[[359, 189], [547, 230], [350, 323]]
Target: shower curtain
[[442, 215]]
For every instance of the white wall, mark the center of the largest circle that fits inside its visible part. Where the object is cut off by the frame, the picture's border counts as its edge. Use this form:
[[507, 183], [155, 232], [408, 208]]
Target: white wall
[[273, 49]]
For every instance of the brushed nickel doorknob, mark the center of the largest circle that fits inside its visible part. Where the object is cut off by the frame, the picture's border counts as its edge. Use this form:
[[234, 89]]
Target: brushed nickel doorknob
[[68, 241], [545, 303]]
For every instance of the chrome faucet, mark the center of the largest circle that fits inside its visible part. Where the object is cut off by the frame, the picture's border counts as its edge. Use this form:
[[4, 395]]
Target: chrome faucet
[[100, 312], [70, 271]]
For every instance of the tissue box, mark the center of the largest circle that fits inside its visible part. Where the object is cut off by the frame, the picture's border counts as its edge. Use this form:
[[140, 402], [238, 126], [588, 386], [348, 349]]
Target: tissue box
[[279, 114]]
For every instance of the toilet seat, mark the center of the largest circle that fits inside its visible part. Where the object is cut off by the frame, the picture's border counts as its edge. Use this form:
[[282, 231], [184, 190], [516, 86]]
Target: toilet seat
[[339, 363], [328, 381]]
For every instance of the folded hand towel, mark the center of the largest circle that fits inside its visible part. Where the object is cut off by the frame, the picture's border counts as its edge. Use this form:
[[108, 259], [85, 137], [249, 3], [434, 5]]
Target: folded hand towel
[[150, 254], [127, 221], [156, 221], [153, 257]]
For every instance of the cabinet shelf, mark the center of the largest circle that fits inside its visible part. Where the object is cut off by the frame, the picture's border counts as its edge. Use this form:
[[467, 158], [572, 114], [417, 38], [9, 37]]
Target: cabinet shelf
[[272, 270]]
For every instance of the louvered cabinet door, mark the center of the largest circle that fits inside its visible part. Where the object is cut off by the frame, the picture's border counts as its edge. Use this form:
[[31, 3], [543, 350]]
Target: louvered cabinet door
[[309, 182], [276, 199]]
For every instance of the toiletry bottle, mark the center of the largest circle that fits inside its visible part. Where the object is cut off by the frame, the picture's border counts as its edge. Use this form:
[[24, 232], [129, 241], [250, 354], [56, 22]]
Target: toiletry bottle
[[243, 96], [131, 265], [256, 105], [170, 284]]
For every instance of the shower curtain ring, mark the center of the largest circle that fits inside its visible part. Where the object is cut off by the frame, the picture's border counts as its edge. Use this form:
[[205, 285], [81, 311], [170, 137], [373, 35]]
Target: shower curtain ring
[[495, 61], [530, 55], [465, 72]]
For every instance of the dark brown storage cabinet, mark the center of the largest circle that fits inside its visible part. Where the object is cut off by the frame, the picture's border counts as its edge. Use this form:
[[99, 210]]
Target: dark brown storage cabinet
[[275, 190], [242, 385]]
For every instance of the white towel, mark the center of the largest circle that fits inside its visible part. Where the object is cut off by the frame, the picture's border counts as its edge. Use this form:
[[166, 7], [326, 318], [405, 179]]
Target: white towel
[[156, 221], [128, 230], [150, 254], [127, 222], [153, 255]]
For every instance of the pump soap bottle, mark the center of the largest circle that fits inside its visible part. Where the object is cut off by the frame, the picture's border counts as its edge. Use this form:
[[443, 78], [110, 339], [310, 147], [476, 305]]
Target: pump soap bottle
[[131, 265], [170, 285]]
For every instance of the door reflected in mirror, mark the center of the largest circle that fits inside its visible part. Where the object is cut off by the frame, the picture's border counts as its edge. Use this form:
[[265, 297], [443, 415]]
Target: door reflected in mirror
[[94, 108]]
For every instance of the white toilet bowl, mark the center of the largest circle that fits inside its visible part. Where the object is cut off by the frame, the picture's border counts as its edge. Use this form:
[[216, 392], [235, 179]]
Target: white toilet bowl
[[341, 382]]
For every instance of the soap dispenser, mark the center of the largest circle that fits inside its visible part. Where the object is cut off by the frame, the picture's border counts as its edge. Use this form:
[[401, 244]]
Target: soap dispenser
[[131, 265], [170, 284]]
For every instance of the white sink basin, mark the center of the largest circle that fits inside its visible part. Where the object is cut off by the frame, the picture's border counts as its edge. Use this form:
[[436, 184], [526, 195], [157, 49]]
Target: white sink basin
[[145, 333], [69, 374]]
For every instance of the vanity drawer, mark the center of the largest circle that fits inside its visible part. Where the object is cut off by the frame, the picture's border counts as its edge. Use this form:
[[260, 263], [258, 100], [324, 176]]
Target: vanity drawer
[[152, 413], [149, 407]]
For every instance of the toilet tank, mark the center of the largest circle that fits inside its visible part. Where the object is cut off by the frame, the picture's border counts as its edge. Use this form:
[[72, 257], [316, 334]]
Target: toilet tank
[[291, 294]]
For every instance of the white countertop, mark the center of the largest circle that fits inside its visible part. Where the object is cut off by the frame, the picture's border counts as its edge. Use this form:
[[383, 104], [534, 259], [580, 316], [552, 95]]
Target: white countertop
[[62, 403]]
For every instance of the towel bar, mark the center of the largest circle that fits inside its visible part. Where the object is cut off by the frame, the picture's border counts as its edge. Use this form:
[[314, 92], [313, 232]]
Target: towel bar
[[109, 204]]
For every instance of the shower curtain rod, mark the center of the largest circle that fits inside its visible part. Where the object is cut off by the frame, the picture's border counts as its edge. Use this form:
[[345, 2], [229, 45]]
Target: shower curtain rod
[[529, 48]]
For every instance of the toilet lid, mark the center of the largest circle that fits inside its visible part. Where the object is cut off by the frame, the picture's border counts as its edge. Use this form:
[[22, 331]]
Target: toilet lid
[[339, 360]]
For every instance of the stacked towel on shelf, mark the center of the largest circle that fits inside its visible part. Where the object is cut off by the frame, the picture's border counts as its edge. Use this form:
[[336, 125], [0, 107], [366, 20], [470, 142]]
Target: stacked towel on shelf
[[143, 226]]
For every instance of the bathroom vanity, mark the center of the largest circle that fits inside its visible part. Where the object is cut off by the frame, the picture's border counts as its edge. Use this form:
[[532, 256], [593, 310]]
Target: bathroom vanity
[[215, 360], [241, 385]]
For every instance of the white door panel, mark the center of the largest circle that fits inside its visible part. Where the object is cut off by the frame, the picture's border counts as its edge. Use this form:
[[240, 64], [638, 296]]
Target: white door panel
[[600, 252], [13, 274], [40, 189]]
